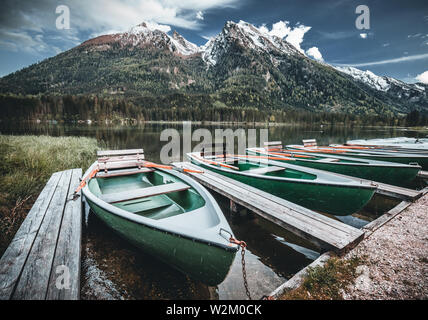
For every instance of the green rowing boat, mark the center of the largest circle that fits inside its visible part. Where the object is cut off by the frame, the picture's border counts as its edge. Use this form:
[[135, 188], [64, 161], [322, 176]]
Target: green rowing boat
[[381, 171], [168, 215], [388, 156], [314, 189]]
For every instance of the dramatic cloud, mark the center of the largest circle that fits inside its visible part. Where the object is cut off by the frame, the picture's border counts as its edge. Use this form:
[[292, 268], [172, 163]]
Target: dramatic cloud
[[282, 30], [423, 77], [314, 53], [21, 20], [387, 61]]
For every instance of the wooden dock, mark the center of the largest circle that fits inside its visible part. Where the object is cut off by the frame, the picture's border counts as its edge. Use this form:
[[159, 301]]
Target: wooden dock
[[43, 260], [423, 174], [388, 190], [324, 232]]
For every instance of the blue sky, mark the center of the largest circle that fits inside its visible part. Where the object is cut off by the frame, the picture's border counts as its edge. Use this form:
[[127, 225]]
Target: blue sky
[[395, 45]]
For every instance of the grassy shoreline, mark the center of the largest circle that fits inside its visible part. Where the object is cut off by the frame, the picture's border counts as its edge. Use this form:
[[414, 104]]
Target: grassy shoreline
[[26, 164]]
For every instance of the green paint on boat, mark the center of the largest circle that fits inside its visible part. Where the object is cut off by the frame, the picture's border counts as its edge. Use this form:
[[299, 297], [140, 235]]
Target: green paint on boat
[[185, 229], [380, 171], [388, 156], [310, 188]]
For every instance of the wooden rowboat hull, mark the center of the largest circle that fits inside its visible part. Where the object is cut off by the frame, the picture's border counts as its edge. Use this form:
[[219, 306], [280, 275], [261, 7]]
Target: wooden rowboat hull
[[190, 241], [319, 195]]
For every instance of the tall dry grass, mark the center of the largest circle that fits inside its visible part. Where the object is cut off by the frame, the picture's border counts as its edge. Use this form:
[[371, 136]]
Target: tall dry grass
[[26, 164]]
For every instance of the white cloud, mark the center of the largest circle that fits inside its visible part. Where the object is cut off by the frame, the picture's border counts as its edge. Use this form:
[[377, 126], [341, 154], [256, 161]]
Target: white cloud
[[363, 35], [22, 41], [296, 36], [387, 61], [200, 15], [314, 53], [423, 77], [122, 14], [282, 30]]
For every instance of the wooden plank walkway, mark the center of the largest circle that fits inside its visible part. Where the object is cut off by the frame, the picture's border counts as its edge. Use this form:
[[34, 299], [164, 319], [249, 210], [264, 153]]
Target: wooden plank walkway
[[43, 259], [387, 189], [322, 231], [423, 174]]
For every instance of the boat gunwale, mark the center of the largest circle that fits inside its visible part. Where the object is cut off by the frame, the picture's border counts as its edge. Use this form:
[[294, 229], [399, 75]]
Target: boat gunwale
[[159, 224], [350, 183], [376, 163], [381, 154]]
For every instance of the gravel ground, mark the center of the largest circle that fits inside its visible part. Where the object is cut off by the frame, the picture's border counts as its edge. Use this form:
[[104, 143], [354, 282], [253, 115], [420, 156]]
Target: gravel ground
[[395, 258]]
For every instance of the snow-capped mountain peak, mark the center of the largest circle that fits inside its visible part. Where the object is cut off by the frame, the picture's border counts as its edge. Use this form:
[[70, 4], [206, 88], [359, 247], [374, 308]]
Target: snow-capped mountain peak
[[143, 35], [368, 77], [246, 35]]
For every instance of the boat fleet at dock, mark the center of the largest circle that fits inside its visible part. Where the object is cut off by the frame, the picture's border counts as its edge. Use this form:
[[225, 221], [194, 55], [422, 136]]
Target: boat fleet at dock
[[171, 216]]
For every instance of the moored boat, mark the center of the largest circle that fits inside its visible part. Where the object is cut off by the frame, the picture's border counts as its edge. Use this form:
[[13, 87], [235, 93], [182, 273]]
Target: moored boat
[[315, 189], [380, 171], [420, 159], [399, 143], [165, 213]]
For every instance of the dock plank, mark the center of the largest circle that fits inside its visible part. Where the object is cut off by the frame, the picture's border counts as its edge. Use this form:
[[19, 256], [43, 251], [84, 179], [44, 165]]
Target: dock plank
[[110, 153], [34, 279], [68, 249], [387, 189], [324, 232], [423, 174], [15, 256]]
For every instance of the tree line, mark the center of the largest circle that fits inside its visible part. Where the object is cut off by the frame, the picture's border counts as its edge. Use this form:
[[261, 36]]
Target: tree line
[[176, 107]]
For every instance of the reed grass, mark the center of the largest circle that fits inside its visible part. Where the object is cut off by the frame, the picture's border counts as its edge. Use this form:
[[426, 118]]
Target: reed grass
[[26, 164], [326, 282]]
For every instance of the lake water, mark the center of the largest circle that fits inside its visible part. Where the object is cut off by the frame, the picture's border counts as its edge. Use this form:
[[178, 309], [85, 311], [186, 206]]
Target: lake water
[[114, 269]]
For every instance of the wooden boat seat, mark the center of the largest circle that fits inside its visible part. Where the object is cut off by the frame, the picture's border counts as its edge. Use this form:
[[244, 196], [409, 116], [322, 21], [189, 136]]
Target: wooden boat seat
[[125, 172], [115, 153], [144, 192], [266, 170], [309, 143], [328, 160]]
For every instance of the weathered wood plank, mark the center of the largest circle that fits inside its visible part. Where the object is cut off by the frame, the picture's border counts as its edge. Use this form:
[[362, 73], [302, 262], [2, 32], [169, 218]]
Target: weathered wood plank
[[108, 153], [387, 189], [15, 256], [34, 279], [123, 172], [273, 143], [121, 158], [320, 230], [120, 165], [383, 219], [423, 174], [68, 250], [144, 192]]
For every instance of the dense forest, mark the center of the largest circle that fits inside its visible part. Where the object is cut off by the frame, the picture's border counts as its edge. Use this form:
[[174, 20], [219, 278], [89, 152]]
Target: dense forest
[[177, 107]]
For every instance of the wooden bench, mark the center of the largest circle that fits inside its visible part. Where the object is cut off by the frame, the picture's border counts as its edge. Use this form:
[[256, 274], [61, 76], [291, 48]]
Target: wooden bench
[[144, 192], [265, 170], [116, 153], [123, 172], [43, 259], [309, 143], [273, 145]]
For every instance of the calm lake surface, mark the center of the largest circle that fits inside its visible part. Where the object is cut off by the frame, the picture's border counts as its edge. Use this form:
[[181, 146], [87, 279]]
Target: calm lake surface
[[114, 269]]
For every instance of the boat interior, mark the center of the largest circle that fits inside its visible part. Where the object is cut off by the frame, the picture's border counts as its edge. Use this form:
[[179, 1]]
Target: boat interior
[[150, 193], [254, 167]]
